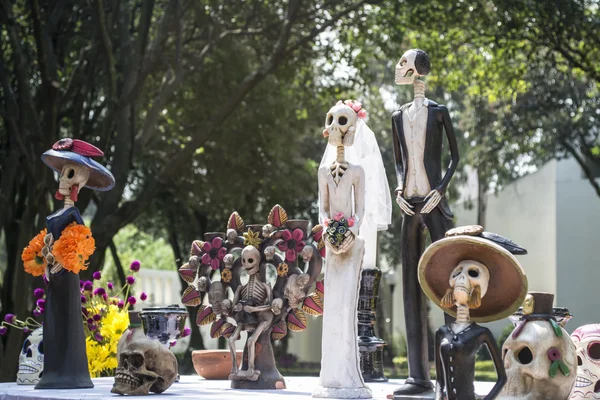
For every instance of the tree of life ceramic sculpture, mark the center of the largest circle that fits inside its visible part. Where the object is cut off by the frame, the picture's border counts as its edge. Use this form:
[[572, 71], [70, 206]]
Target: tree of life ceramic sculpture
[[587, 342], [539, 356], [472, 275], [264, 310], [418, 132], [66, 248], [341, 211]]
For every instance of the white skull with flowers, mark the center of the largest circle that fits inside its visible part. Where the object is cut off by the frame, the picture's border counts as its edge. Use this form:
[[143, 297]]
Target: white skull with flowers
[[31, 359], [587, 341]]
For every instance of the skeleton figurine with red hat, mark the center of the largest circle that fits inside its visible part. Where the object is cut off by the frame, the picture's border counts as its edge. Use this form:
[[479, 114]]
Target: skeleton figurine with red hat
[[65, 361]]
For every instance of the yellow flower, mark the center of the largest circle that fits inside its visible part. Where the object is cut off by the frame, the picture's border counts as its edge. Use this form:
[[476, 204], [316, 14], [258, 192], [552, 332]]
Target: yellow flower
[[282, 269], [251, 238], [226, 275], [102, 356], [74, 247], [33, 259]]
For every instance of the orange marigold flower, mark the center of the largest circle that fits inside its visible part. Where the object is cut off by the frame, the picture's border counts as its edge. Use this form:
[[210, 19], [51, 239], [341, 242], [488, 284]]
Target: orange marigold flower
[[33, 259], [74, 247]]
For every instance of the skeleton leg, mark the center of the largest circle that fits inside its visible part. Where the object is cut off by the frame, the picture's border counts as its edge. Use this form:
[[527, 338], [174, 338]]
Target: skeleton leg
[[232, 339], [251, 373]]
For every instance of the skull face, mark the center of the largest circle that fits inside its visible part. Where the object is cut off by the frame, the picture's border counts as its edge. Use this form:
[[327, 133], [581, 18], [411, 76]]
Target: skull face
[[466, 277], [251, 259], [587, 342], [144, 365], [527, 363], [340, 125], [412, 64], [31, 359], [72, 178], [216, 295]]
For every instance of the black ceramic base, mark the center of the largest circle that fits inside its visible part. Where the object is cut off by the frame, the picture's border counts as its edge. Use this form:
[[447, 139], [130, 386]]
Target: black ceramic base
[[264, 361], [369, 346]]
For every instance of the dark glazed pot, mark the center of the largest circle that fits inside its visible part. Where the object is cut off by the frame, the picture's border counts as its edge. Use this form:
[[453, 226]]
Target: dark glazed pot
[[256, 228], [208, 236], [164, 324]]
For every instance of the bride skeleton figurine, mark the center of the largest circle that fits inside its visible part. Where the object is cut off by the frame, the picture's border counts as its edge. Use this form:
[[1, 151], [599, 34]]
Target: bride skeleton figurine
[[352, 183], [65, 361]]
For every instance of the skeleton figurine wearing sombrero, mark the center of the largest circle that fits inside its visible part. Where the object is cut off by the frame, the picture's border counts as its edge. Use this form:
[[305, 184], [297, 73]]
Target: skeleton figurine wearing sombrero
[[473, 276], [67, 246]]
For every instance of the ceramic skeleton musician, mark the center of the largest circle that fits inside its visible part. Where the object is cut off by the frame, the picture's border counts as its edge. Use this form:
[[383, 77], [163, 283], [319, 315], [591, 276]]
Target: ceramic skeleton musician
[[539, 356], [65, 361], [343, 185], [418, 132], [587, 341], [472, 275], [266, 312]]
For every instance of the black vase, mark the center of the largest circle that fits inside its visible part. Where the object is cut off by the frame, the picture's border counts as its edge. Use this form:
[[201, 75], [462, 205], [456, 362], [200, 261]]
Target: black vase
[[369, 345]]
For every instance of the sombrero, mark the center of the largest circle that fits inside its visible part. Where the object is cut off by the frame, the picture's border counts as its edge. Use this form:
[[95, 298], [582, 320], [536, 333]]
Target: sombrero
[[508, 283], [79, 152]]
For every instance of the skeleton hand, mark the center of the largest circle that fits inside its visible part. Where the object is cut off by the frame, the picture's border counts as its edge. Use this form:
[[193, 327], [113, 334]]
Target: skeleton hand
[[345, 246], [226, 307], [405, 206], [237, 307], [434, 199]]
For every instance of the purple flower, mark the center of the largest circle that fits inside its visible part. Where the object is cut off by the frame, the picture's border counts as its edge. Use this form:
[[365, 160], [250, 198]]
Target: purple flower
[[120, 304], [130, 280], [92, 327], [39, 293], [97, 275], [37, 312], [100, 291], [97, 317], [88, 285], [90, 321], [84, 311], [143, 296], [214, 252], [554, 354], [26, 330], [10, 318], [41, 303], [98, 337], [131, 300], [105, 296], [110, 285], [135, 266], [173, 343], [3, 330], [186, 332], [83, 299]]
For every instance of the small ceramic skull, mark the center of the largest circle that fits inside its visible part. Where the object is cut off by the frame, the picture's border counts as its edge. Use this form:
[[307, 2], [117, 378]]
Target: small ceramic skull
[[31, 359], [295, 289], [216, 294], [527, 362], [340, 125], [251, 259], [72, 178], [412, 64], [587, 341], [144, 365]]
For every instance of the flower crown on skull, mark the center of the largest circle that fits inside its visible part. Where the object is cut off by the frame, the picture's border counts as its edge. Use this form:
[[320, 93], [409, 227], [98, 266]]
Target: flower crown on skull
[[356, 106]]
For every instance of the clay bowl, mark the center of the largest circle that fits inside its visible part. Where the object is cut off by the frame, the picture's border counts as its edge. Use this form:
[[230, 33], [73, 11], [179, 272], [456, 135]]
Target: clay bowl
[[214, 364]]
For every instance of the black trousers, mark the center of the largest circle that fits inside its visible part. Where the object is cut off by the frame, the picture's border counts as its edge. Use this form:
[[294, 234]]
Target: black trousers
[[415, 301]]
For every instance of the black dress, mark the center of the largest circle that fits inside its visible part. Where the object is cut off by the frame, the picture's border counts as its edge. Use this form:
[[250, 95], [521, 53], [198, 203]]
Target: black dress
[[455, 362], [65, 359]]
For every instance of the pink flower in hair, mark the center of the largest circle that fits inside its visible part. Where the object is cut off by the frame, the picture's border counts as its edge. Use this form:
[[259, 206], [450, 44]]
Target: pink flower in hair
[[356, 106], [362, 114]]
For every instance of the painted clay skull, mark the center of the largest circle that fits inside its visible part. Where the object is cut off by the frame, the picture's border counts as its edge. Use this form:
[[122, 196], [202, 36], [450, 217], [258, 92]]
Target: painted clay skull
[[340, 125], [527, 363], [466, 277], [144, 365], [31, 359], [72, 178], [413, 63], [251, 259], [587, 342], [216, 295]]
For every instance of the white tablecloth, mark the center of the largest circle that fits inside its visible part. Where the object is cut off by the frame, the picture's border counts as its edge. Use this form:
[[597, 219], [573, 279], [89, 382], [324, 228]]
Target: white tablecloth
[[194, 387]]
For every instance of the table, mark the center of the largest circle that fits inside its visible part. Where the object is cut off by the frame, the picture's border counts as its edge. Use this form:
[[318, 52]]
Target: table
[[194, 387]]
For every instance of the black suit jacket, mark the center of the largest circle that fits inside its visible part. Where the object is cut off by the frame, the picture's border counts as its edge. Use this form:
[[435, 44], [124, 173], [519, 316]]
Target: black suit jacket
[[438, 120]]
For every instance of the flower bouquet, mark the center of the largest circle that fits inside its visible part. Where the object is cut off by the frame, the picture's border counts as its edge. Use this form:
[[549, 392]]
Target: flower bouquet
[[338, 235]]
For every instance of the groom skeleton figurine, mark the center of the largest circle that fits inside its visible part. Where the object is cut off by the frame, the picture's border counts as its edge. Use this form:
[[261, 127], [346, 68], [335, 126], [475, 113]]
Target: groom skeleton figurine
[[418, 132]]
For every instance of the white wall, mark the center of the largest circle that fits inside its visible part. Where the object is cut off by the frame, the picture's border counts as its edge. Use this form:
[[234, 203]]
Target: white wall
[[578, 210]]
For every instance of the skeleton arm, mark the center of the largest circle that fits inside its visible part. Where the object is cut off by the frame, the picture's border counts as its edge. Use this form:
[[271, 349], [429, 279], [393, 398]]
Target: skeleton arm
[[236, 298], [439, 369], [323, 195], [436, 194], [359, 200], [489, 341], [404, 205]]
